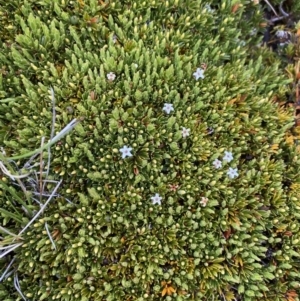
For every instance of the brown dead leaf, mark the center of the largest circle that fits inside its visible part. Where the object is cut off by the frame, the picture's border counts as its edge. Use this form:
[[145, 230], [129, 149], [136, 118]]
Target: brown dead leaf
[[291, 295], [93, 95], [182, 292], [136, 171], [235, 7], [263, 25], [227, 233], [232, 101], [168, 289]]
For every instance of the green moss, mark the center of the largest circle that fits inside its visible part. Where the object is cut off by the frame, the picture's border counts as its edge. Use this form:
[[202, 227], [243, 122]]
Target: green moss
[[113, 243]]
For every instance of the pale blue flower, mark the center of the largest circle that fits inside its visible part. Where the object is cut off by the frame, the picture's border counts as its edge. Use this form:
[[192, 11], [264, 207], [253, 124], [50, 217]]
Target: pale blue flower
[[126, 151], [199, 73], [168, 107], [232, 173], [185, 132], [217, 164], [156, 199], [228, 156]]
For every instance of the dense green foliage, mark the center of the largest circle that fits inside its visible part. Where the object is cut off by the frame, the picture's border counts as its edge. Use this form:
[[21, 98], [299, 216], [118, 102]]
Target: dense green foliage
[[165, 222]]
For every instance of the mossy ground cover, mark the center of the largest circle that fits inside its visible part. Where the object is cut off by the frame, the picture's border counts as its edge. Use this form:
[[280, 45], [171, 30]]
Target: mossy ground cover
[[178, 181]]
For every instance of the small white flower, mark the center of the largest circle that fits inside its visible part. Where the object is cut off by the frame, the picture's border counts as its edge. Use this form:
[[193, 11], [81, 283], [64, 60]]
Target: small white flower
[[232, 173], [111, 76], [185, 132], [203, 201], [114, 38], [126, 151], [217, 164], [168, 107], [228, 156], [199, 73], [135, 65], [156, 199]]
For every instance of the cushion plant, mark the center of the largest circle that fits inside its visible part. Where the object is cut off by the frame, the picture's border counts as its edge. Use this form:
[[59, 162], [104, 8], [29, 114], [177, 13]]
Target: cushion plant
[[177, 181]]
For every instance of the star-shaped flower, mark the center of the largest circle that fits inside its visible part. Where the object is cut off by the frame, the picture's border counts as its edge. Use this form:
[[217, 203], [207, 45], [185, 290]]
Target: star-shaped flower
[[204, 201], [126, 151], [217, 164], [199, 73], [185, 132], [228, 156], [168, 107], [232, 173], [111, 76], [156, 199]]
